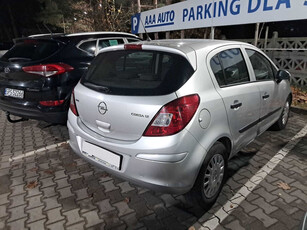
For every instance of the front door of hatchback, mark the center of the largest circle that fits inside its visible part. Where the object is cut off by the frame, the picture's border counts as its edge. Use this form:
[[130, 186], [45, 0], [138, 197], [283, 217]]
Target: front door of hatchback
[[268, 87]]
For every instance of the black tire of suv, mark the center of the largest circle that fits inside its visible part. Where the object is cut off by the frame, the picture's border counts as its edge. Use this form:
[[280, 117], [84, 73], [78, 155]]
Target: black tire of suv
[[279, 124], [197, 194]]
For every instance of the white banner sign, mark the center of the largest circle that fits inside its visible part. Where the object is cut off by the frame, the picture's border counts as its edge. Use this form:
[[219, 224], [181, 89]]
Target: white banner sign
[[206, 13]]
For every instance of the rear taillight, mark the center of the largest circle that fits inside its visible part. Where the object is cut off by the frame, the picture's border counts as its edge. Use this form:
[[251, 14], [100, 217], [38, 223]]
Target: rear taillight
[[48, 70], [72, 105], [173, 117], [52, 103]]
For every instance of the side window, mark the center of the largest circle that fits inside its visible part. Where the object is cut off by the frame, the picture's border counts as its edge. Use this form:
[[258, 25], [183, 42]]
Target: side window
[[88, 46], [262, 67], [132, 40], [109, 42], [229, 67], [218, 70]]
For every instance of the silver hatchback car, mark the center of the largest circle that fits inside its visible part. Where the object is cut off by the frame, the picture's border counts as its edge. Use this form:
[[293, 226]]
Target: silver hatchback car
[[168, 114]]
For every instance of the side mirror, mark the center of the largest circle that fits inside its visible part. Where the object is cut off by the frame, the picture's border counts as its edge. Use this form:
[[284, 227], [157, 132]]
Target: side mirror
[[282, 75]]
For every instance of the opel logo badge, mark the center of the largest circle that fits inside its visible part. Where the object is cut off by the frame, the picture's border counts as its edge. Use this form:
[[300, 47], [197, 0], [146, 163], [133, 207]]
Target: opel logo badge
[[102, 108], [7, 70]]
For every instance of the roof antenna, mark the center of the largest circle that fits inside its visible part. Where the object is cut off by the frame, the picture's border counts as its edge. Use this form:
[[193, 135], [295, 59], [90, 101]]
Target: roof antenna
[[48, 29], [148, 38]]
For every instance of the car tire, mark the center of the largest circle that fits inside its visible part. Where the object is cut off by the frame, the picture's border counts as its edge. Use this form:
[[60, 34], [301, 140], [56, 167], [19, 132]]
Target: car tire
[[211, 177], [282, 121]]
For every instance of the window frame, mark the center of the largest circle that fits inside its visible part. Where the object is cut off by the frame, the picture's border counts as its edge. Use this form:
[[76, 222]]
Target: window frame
[[87, 40], [97, 42], [132, 40], [108, 38], [272, 64], [162, 89], [216, 51]]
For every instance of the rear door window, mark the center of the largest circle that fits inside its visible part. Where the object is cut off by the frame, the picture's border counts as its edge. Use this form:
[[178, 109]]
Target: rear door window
[[31, 50], [103, 43], [88, 46], [229, 67], [134, 72], [132, 40]]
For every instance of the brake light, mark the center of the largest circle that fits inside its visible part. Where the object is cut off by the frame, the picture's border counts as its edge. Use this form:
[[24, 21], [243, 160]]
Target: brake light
[[30, 41], [72, 105], [52, 103], [173, 117], [48, 70], [133, 47]]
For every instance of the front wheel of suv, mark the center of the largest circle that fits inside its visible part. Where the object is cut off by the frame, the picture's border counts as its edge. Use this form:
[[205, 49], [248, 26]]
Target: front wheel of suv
[[211, 177]]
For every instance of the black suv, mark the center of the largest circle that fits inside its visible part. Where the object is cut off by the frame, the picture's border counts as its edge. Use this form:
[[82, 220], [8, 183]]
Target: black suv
[[38, 74]]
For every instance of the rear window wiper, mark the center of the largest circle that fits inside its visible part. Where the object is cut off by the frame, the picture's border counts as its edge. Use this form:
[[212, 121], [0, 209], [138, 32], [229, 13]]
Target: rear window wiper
[[97, 87], [13, 59]]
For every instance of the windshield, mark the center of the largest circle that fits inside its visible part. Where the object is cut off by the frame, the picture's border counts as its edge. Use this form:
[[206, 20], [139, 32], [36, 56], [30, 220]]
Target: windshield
[[138, 72], [31, 50]]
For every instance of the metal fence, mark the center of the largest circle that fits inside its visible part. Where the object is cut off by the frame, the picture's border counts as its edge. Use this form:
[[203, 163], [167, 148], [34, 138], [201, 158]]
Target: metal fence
[[287, 53]]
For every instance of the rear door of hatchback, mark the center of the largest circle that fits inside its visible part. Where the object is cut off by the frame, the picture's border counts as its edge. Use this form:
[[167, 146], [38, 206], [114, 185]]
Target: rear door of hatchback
[[124, 89], [240, 95]]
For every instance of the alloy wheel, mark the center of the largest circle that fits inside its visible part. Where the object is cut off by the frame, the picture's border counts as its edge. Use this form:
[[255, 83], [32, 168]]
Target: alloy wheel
[[213, 175], [285, 113]]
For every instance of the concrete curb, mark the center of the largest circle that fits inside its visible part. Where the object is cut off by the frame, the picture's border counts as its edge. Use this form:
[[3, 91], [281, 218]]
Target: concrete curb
[[299, 110]]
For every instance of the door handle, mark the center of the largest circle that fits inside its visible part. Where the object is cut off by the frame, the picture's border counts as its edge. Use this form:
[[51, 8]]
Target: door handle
[[236, 105], [265, 96]]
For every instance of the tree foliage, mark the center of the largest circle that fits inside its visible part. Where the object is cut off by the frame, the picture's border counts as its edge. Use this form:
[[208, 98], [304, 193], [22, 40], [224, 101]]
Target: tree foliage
[[87, 15], [25, 17]]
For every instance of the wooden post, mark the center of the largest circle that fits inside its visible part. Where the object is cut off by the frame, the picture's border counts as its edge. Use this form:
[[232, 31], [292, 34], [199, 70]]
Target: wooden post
[[256, 34], [182, 34], [139, 11], [274, 44], [266, 38], [212, 33]]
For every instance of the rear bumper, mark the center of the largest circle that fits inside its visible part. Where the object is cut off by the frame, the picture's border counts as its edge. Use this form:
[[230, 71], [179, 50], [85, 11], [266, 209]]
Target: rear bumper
[[166, 164], [59, 117]]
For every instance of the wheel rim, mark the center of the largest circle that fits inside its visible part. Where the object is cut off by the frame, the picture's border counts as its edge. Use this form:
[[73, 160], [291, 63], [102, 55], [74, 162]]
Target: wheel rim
[[285, 113], [214, 176]]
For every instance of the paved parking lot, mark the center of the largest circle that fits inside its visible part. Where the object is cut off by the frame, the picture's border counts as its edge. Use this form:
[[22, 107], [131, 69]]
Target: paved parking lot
[[44, 185]]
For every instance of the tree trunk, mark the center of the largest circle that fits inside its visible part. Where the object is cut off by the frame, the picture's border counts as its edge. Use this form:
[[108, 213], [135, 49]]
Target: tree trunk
[[12, 20], [156, 5], [167, 34]]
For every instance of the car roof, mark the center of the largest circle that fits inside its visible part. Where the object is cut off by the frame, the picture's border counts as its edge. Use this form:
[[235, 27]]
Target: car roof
[[84, 34], [186, 47], [186, 44], [100, 33]]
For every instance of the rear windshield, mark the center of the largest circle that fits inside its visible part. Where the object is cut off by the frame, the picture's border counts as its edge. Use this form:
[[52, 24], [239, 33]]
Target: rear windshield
[[31, 50], [136, 72]]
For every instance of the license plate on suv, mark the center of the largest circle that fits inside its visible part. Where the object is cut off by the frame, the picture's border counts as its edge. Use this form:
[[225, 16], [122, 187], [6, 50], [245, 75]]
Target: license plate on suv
[[101, 155], [16, 93]]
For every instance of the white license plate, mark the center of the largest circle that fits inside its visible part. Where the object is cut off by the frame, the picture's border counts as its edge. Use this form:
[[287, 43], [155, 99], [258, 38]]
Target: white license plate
[[101, 155], [13, 93]]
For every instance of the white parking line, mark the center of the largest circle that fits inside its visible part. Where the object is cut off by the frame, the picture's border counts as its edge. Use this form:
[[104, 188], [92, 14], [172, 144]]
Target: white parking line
[[250, 185], [37, 151]]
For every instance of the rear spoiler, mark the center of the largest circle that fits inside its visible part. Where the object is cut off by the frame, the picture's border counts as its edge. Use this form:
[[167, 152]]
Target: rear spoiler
[[36, 39]]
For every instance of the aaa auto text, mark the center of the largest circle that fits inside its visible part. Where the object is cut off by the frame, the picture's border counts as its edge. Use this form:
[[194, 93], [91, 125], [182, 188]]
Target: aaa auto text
[[215, 9]]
